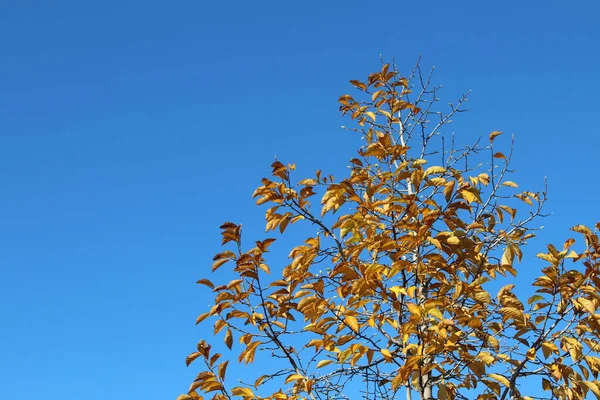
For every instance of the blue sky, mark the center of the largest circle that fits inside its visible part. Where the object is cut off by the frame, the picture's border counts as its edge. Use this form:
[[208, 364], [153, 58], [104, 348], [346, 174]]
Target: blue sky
[[130, 130]]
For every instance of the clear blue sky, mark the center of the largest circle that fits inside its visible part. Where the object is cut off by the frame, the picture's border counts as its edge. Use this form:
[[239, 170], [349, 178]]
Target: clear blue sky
[[131, 129]]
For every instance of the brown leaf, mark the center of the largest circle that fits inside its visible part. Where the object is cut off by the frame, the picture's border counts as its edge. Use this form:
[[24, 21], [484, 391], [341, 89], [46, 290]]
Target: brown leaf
[[493, 135]]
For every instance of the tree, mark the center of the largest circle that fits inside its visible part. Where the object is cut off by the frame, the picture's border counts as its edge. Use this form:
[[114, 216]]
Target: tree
[[402, 292]]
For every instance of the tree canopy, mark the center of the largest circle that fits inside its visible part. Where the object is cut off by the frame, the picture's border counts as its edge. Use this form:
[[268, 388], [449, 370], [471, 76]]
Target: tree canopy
[[407, 288]]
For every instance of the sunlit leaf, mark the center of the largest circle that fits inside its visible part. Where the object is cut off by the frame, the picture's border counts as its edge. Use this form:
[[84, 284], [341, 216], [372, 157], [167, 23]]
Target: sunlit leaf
[[351, 322], [494, 134]]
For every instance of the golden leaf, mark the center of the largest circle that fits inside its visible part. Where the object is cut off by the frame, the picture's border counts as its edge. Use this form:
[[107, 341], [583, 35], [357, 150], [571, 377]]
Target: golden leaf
[[493, 135], [202, 317], [483, 297], [582, 229], [206, 282], [212, 386], [192, 357], [414, 309], [323, 363], [387, 355], [397, 381], [228, 339], [448, 188], [398, 290], [507, 257], [594, 387], [469, 196], [453, 240], [500, 378], [351, 322], [376, 94], [293, 377], [477, 367], [435, 242], [242, 392], [434, 312], [486, 357], [434, 170], [222, 369]]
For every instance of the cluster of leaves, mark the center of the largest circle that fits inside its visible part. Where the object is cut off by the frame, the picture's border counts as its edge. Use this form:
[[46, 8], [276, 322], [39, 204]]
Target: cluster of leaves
[[394, 291]]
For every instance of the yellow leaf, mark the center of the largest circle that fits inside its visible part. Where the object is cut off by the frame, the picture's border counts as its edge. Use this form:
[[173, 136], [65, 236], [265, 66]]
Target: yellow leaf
[[435, 242], [512, 312], [510, 184], [248, 354], [242, 392], [264, 267], [375, 150], [434, 312], [218, 263], [494, 134], [192, 357], [398, 290], [397, 381], [293, 377], [582, 229], [500, 379], [484, 178], [434, 170], [594, 387], [468, 196], [486, 357], [531, 354], [371, 114], [437, 181], [351, 322], [547, 257], [260, 380], [507, 257], [387, 355], [483, 297], [477, 367], [228, 339], [572, 254], [376, 94], [588, 305], [211, 386], [448, 188], [453, 240], [222, 369], [202, 317], [574, 348], [323, 363], [206, 282], [414, 309]]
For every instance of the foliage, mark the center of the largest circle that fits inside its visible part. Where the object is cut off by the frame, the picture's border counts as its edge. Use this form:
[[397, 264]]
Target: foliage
[[398, 293]]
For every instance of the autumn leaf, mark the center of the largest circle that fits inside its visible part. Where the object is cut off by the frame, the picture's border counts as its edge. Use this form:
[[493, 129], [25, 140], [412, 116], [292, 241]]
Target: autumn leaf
[[493, 135], [242, 392], [323, 363], [352, 323], [500, 379]]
